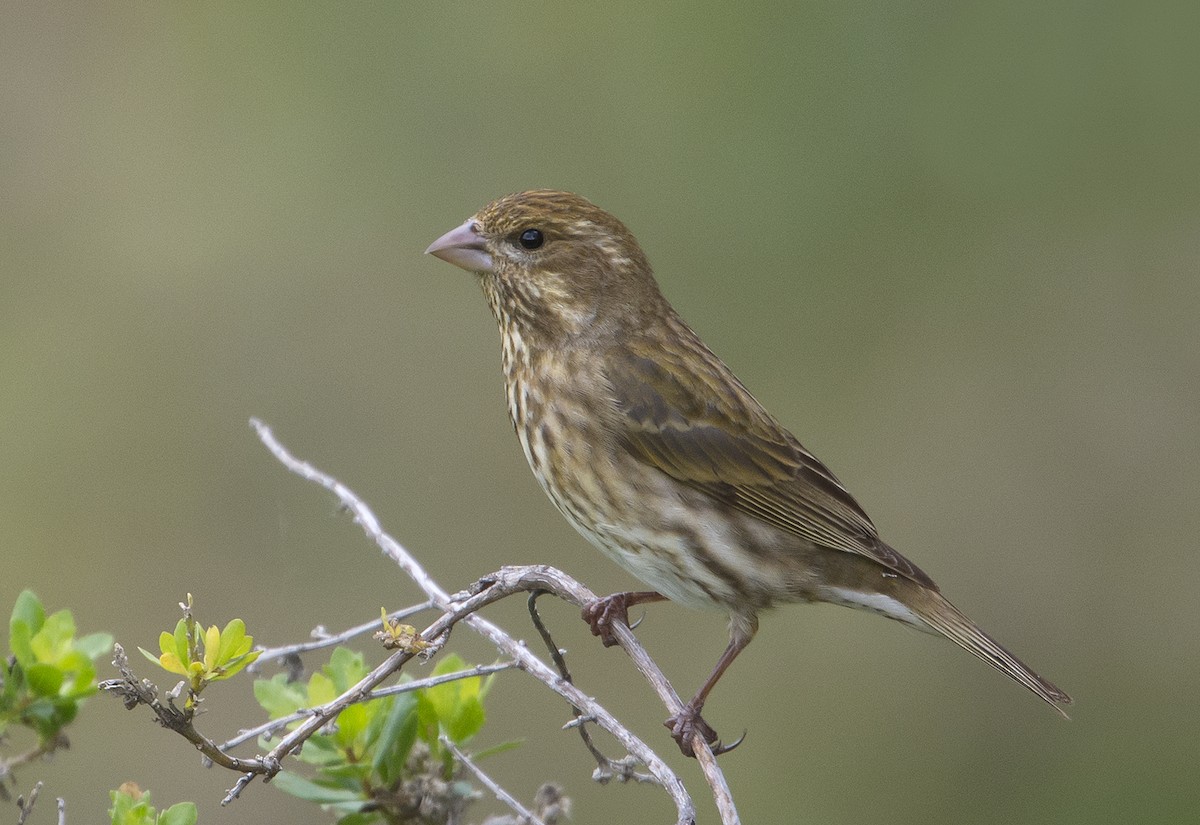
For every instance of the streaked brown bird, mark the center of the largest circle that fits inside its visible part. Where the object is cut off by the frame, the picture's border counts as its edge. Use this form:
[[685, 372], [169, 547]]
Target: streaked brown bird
[[653, 450]]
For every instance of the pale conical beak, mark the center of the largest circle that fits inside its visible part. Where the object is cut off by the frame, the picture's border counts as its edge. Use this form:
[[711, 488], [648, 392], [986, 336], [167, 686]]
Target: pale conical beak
[[463, 246]]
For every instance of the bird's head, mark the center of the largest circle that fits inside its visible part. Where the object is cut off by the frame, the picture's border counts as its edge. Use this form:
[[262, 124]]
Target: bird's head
[[556, 265]]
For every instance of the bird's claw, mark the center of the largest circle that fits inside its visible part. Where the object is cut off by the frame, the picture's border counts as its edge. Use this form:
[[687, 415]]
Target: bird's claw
[[601, 613], [719, 749], [686, 724]]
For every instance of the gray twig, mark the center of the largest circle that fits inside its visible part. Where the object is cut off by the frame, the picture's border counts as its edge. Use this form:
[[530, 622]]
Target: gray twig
[[527, 816], [272, 653], [25, 803], [624, 769]]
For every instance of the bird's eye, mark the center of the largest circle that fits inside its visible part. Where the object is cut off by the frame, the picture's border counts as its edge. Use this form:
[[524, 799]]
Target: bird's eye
[[531, 238]]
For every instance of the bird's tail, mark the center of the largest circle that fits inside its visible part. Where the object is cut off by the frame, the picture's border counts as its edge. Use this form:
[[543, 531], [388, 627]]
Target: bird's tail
[[936, 611]]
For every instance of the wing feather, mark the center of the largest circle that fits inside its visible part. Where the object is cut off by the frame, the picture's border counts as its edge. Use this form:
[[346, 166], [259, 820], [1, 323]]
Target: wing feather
[[693, 420]]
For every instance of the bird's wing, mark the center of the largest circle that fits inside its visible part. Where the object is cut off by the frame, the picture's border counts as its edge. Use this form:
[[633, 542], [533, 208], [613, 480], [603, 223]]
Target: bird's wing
[[699, 425]]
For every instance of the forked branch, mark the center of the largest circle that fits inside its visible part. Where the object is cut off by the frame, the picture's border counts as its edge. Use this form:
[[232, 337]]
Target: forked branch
[[462, 607], [509, 580]]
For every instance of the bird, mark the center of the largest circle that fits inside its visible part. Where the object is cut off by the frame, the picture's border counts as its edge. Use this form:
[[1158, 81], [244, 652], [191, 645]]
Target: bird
[[649, 446]]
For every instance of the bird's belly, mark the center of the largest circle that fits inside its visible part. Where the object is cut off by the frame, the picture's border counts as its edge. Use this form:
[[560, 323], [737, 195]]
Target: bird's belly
[[686, 546], [675, 544], [644, 532], [660, 566]]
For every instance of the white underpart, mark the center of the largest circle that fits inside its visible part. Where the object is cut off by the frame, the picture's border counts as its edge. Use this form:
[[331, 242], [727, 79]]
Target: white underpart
[[876, 603]]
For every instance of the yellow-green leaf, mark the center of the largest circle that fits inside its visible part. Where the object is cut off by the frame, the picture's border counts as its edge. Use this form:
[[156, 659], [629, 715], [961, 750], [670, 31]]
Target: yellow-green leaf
[[166, 643], [212, 646], [231, 638], [170, 663], [181, 640], [320, 690], [238, 663]]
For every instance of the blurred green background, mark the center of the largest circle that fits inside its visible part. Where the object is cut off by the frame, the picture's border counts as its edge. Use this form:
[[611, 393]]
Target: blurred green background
[[955, 247]]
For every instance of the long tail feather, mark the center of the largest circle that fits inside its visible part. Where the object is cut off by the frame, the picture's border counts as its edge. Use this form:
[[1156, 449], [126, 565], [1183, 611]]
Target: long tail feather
[[942, 616]]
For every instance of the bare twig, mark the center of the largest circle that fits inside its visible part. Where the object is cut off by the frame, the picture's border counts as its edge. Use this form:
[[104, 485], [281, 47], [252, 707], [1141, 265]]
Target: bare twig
[[285, 651], [607, 769], [25, 803], [527, 816], [461, 607], [7, 766]]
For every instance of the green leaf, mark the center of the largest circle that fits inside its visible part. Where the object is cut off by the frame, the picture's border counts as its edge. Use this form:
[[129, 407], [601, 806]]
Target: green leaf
[[320, 690], [320, 751], [444, 698], [395, 739], [131, 809], [468, 722], [310, 791], [345, 669], [212, 644], [44, 679], [232, 637], [18, 643], [29, 611], [181, 642], [95, 645], [279, 697], [351, 725], [237, 663], [457, 705], [53, 641], [181, 813], [150, 656], [44, 716], [172, 664], [427, 721], [360, 818], [135, 809], [80, 675], [348, 775], [19, 636]]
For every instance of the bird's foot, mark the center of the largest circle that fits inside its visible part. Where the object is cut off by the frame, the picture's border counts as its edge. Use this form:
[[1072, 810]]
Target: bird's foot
[[686, 724], [601, 614]]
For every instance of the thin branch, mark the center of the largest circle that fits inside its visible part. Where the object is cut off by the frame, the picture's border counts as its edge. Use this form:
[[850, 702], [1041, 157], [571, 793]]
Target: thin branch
[[283, 652], [134, 692], [407, 687], [509, 580], [607, 769], [25, 804], [491, 784], [239, 786], [7, 766]]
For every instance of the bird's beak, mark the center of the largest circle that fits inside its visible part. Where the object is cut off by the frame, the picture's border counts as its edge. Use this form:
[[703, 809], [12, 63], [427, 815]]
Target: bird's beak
[[463, 246]]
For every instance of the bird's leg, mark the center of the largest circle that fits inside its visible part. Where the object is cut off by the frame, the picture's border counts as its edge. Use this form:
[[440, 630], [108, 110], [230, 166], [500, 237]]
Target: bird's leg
[[601, 613], [688, 722]]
